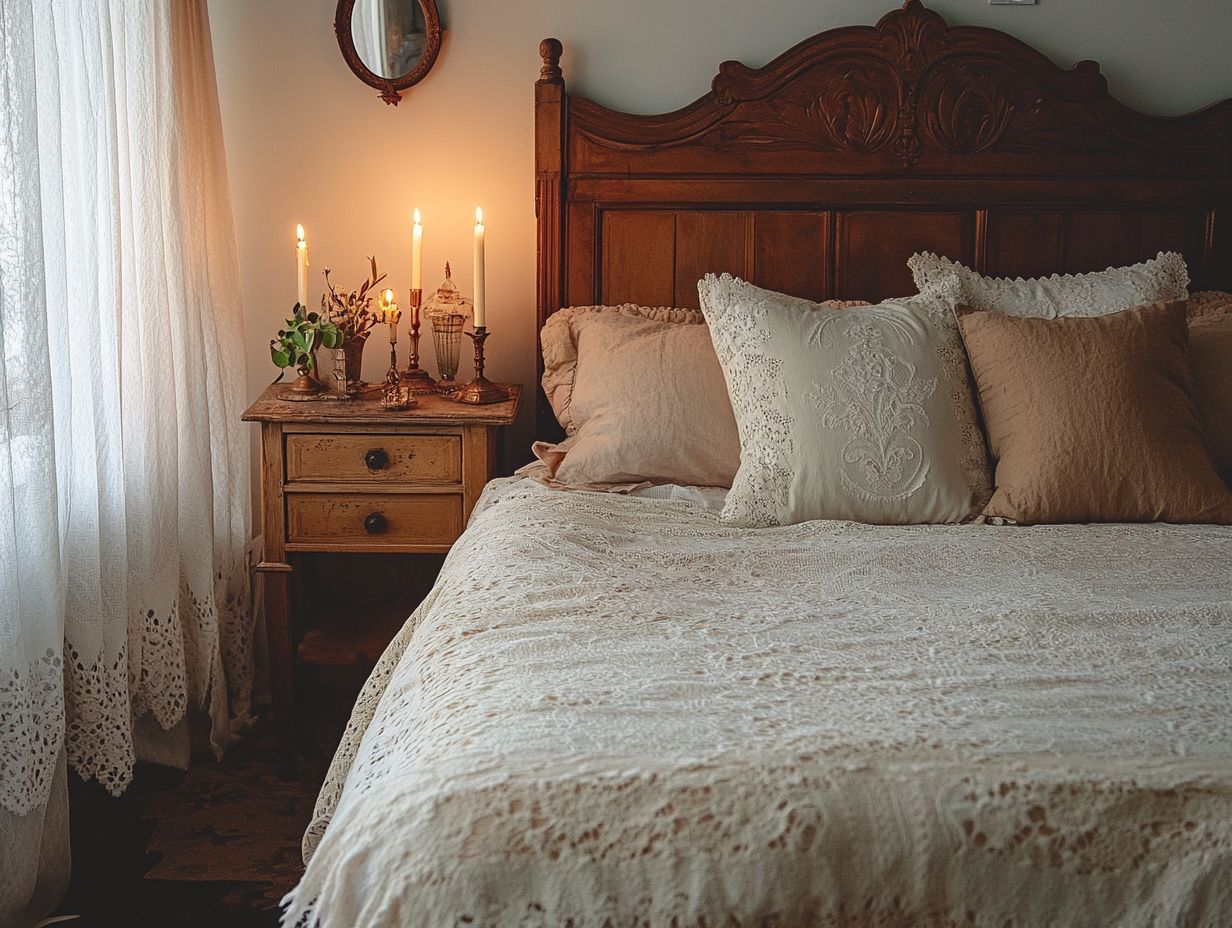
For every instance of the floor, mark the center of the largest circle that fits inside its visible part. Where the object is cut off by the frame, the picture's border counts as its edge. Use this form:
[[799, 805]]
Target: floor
[[218, 845]]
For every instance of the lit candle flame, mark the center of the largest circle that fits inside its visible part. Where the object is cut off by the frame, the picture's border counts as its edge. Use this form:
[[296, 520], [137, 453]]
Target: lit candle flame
[[299, 232], [416, 216], [478, 215], [389, 297]]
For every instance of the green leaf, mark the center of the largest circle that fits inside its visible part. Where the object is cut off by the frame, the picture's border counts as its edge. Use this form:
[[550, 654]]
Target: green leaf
[[280, 356]]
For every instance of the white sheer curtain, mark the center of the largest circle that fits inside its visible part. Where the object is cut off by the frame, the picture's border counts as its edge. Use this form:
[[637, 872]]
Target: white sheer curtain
[[124, 471], [33, 795]]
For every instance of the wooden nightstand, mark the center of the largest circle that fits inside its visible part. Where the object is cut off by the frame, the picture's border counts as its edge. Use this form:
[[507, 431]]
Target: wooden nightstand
[[348, 476]]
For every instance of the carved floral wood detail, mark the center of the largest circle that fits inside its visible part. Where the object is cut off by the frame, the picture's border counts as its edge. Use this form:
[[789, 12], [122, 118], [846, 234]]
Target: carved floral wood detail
[[908, 87], [854, 107]]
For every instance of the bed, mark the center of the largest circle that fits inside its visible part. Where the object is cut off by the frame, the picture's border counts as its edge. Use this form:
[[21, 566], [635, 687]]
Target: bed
[[612, 709]]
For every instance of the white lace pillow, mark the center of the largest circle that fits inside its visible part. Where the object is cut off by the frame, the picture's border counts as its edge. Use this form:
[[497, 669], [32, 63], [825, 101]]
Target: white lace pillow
[[1163, 278], [863, 414]]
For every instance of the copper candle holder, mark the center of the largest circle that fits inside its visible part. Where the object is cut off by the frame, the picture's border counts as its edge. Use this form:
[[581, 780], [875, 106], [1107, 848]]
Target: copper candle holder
[[414, 376], [306, 385], [480, 390]]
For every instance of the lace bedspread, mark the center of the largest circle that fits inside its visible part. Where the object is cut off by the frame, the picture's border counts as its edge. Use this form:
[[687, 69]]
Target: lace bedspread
[[614, 711]]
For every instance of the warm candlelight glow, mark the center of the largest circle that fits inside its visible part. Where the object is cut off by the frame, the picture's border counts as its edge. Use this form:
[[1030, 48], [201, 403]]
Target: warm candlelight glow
[[416, 217], [299, 232], [479, 215], [389, 312]]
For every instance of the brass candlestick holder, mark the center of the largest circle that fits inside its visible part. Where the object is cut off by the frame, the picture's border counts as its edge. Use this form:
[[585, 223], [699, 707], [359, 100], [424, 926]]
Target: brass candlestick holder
[[392, 316], [480, 390], [414, 376]]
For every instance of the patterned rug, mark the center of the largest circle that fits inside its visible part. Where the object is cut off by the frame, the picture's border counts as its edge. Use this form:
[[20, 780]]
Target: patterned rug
[[235, 821], [216, 845]]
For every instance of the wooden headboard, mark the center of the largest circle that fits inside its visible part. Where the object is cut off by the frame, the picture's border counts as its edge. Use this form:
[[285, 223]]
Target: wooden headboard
[[821, 173]]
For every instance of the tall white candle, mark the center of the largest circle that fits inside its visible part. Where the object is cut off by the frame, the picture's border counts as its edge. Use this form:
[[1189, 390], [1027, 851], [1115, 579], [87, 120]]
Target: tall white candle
[[417, 253], [301, 267], [479, 274]]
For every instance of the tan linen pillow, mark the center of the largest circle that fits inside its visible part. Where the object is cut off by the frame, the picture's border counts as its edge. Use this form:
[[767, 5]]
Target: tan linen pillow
[[1092, 419], [640, 396], [863, 414], [1210, 359]]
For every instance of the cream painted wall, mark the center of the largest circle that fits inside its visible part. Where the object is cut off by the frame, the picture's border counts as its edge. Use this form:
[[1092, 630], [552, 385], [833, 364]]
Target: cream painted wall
[[306, 142]]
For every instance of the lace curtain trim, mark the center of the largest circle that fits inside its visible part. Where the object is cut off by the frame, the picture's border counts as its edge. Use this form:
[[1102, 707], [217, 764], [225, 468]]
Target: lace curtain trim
[[31, 730], [105, 695]]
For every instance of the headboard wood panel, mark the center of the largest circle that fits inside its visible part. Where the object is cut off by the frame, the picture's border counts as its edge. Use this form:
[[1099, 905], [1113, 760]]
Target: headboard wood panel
[[822, 172]]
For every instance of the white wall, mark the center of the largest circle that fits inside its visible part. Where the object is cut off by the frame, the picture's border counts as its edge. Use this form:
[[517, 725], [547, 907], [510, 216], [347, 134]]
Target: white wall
[[307, 142]]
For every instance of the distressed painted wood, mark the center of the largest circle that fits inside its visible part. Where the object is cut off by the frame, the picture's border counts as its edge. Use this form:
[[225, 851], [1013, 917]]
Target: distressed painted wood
[[375, 457], [373, 522], [273, 406]]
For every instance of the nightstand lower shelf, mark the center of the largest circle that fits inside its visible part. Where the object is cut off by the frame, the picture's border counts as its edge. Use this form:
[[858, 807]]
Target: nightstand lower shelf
[[356, 646]]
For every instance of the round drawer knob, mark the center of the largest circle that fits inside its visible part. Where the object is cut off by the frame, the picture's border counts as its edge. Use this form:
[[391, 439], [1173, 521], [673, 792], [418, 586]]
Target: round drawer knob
[[375, 523], [377, 459]]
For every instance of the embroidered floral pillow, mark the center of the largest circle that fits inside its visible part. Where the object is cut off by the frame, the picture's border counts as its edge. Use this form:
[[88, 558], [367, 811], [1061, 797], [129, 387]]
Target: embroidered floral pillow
[[863, 414], [1165, 277]]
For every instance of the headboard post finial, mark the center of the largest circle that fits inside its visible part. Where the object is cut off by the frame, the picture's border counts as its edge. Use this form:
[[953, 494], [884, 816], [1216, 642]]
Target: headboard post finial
[[550, 51]]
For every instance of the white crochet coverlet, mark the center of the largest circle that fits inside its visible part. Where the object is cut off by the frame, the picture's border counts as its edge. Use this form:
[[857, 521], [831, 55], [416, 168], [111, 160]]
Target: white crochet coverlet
[[617, 712]]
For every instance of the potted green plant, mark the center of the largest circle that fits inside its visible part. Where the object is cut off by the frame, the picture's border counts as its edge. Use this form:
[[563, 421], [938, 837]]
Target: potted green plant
[[296, 346], [351, 312]]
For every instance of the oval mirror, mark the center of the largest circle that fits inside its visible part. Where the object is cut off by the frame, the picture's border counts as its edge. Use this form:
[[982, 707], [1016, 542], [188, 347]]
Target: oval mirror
[[389, 44]]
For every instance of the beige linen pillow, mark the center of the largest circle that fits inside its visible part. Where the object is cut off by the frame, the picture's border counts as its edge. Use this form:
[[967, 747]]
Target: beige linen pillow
[[640, 396], [864, 414], [1164, 277], [1092, 419]]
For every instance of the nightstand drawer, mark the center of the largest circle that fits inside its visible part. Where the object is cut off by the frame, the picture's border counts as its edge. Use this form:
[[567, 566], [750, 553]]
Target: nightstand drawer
[[378, 458], [367, 521]]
